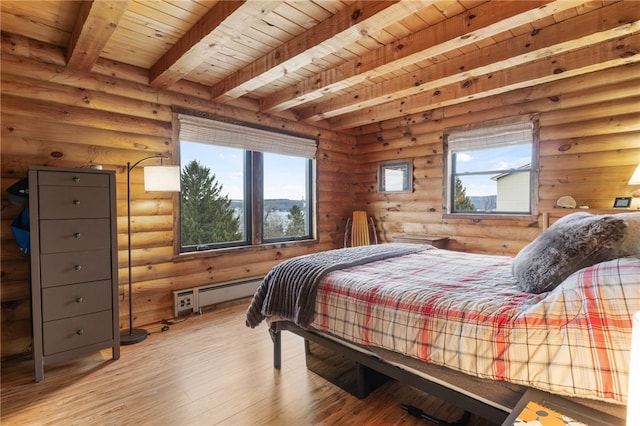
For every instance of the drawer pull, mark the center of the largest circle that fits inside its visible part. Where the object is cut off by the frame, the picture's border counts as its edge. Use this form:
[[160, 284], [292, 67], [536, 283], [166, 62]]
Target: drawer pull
[[76, 202], [80, 332], [79, 300], [76, 179], [77, 235], [77, 267]]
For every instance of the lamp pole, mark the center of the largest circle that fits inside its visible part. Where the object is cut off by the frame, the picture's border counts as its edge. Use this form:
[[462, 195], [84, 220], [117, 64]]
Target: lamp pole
[[133, 335]]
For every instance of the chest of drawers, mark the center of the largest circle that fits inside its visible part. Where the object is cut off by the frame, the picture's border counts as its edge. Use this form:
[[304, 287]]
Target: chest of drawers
[[74, 275]]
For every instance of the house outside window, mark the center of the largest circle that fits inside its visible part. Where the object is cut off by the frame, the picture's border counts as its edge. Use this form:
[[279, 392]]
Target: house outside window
[[490, 169], [243, 185]]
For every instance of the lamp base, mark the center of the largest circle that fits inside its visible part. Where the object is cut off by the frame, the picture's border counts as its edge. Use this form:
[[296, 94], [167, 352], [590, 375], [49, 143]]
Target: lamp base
[[133, 335]]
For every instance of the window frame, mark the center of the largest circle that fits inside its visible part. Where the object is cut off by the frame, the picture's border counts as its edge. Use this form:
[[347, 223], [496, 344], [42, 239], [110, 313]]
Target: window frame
[[253, 193], [258, 207], [406, 166], [449, 176]]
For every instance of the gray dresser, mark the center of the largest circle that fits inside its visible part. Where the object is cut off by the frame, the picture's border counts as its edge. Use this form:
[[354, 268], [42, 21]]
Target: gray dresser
[[74, 264]]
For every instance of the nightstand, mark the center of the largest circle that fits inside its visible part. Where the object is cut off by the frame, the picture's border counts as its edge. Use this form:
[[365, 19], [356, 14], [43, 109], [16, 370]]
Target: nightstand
[[437, 242], [541, 408]]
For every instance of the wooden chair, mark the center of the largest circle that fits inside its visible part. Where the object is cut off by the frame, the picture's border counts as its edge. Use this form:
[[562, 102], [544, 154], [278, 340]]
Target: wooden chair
[[360, 230]]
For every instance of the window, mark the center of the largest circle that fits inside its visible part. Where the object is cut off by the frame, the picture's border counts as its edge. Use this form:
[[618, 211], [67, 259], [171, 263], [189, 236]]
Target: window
[[490, 170], [243, 185], [396, 176]]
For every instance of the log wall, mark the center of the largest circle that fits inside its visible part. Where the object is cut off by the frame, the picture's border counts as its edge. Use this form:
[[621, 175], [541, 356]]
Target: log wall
[[55, 116], [589, 147], [52, 115]]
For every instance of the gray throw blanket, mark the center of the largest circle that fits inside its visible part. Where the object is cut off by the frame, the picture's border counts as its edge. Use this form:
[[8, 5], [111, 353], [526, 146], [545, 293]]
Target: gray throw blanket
[[288, 291]]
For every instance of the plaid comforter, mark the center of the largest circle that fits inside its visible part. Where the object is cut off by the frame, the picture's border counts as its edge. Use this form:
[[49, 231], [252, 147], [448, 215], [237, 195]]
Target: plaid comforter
[[462, 311]]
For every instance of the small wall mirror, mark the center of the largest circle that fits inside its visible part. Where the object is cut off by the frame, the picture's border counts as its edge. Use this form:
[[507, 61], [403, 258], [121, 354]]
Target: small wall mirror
[[396, 176]]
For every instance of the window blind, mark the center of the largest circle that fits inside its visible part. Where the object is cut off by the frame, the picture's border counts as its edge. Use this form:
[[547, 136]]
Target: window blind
[[208, 131], [491, 137]]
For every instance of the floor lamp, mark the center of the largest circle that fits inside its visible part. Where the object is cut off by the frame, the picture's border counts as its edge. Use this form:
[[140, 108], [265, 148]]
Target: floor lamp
[[156, 178]]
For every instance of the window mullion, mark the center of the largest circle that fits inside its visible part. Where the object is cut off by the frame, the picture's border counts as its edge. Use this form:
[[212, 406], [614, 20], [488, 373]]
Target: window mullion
[[257, 196], [494, 172]]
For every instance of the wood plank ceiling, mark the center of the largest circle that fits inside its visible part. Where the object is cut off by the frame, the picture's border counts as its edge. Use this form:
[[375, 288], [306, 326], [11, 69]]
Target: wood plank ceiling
[[340, 64]]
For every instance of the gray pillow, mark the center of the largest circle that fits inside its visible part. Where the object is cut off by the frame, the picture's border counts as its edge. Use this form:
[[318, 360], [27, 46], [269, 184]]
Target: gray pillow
[[630, 246], [574, 242]]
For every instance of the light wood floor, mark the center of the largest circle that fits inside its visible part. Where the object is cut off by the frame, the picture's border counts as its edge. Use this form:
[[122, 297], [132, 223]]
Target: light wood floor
[[207, 370]]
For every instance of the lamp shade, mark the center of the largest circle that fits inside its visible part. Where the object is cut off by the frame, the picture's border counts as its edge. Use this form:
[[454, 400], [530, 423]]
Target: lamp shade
[[633, 398], [162, 178], [635, 178]]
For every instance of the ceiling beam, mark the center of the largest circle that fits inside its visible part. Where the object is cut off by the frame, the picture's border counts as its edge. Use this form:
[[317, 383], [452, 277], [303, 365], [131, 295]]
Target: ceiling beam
[[464, 29], [608, 54], [207, 38], [570, 92], [359, 19], [94, 25], [611, 21]]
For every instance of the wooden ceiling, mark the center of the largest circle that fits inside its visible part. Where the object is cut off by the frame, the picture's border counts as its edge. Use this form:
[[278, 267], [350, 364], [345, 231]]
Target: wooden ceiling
[[339, 64]]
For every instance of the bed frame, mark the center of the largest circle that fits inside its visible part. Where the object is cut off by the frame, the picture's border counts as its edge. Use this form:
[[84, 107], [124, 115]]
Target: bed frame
[[488, 399]]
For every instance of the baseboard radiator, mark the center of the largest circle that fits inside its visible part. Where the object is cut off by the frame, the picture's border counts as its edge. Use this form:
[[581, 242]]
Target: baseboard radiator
[[195, 299]]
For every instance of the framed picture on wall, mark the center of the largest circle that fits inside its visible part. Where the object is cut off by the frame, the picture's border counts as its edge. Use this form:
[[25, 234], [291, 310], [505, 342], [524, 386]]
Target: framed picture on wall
[[622, 202], [396, 176]]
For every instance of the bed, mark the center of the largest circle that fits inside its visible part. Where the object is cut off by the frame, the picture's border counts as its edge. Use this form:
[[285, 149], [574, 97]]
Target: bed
[[475, 329]]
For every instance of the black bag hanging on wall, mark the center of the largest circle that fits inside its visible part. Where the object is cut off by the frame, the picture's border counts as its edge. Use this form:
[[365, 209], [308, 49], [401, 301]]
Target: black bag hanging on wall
[[19, 193]]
